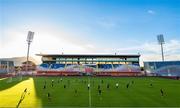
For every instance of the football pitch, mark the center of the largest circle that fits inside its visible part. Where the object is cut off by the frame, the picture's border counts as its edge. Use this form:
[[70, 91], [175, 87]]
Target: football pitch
[[74, 92]]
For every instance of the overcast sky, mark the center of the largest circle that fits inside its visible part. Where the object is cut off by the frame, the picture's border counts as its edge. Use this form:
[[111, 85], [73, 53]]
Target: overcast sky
[[90, 26]]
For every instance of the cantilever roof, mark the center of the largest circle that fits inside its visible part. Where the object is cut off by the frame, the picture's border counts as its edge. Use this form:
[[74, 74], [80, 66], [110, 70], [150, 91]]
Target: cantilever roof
[[87, 55]]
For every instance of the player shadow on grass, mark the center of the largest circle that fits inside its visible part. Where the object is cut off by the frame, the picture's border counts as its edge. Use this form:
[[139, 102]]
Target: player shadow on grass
[[22, 97], [6, 84]]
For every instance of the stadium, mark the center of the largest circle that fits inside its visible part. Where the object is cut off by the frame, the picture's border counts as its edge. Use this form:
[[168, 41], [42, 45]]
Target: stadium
[[89, 53], [89, 80], [76, 80]]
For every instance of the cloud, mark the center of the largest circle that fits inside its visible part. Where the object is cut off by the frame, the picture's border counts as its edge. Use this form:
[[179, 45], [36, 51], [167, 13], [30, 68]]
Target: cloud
[[151, 51], [49, 38], [172, 47], [55, 40], [151, 12]]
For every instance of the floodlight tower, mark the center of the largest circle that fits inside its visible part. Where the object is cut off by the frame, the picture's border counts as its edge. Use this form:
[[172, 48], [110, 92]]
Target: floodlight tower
[[29, 40], [160, 39]]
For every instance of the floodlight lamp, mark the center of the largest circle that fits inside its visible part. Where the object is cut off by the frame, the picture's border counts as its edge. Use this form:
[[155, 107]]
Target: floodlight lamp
[[160, 39], [30, 36]]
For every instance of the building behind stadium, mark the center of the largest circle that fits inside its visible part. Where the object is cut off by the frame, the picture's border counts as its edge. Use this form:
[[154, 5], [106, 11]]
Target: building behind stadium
[[16, 64], [6, 66]]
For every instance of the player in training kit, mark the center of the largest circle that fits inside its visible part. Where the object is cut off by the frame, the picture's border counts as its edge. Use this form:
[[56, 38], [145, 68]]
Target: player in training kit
[[99, 92], [108, 86], [99, 87], [49, 96], [88, 86], [162, 92], [117, 85], [127, 86]]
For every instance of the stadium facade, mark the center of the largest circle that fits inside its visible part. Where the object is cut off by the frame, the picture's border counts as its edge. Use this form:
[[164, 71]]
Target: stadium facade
[[96, 64]]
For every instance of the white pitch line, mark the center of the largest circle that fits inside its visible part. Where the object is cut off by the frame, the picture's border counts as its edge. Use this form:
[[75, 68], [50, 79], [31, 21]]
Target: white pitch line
[[89, 92]]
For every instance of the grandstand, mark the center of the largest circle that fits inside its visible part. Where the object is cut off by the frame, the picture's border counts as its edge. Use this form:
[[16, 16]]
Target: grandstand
[[163, 68], [102, 65]]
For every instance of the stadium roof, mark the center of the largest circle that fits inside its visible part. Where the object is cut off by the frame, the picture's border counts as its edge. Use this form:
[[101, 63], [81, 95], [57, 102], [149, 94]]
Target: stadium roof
[[86, 55]]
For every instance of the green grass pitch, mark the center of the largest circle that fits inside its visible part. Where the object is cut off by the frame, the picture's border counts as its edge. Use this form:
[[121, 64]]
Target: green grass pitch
[[139, 93]]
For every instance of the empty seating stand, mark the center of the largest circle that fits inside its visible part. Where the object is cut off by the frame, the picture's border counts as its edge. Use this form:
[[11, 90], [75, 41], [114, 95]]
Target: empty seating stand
[[116, 65], [105, 66], [57, 66], [44, 65]]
